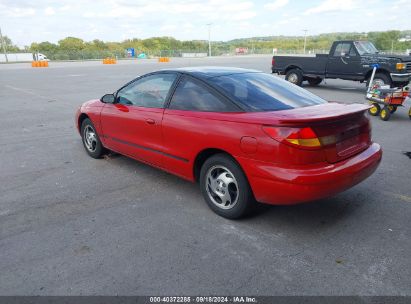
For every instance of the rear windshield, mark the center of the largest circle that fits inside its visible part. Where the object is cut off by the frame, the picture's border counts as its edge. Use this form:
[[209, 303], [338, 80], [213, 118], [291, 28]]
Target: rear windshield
[[264, 92]]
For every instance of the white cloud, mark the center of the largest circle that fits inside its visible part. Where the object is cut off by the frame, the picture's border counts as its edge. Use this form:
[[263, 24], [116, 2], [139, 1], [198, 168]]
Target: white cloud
[[49, 11], [332, 6], [276, 5], [243, 16], [168, 27], [89, 15], [65, 7], [113, 20], [16, 12]]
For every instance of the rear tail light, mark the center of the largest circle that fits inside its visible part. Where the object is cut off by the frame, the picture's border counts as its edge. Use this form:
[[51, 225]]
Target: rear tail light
[[273, 62], [366, 127], [304, 138]]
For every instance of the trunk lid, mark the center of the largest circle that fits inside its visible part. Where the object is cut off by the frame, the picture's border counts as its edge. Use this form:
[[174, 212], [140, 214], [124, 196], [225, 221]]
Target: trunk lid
[[344, 137], [343, 129]]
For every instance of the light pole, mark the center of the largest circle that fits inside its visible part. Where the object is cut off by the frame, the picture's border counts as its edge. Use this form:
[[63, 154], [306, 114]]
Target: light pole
[[305, 39], [209, 37], [3, 43]]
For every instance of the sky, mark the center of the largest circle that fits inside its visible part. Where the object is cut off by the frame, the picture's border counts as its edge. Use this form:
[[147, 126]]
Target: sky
[[26, 21]]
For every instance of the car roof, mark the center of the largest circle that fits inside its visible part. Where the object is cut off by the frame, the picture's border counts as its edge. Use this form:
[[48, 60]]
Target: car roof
[[211, 71]]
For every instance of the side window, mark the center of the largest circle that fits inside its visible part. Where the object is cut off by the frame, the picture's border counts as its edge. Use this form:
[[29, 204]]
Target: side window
[[149, 92], [352, 51], [192, 96], [342, 49]]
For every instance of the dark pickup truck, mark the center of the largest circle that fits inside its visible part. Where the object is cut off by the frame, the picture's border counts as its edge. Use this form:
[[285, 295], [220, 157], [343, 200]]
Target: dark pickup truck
[[350, 60]]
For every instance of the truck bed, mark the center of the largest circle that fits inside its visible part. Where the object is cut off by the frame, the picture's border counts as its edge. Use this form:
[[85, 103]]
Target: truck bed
[[311, 65]]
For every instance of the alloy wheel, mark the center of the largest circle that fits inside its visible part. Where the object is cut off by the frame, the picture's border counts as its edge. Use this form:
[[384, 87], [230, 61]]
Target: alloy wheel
[[90, 138], [293, 78], [222, 187]]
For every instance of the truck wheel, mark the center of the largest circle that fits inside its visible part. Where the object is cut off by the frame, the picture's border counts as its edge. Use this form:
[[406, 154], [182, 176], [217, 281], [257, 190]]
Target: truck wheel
[[314, 81], [380, 79], [409, 113], [294, 76], [375, 109], [385, 113]]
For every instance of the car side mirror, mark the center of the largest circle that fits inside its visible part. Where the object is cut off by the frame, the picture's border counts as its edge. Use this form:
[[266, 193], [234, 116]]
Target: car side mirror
[[108, 98]]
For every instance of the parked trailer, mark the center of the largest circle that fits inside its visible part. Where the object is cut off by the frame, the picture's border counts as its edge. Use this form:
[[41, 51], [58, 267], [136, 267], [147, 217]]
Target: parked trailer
[[23, 57]]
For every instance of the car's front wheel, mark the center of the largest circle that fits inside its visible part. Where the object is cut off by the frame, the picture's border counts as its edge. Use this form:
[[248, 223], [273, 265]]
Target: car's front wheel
[[225, 187], [90, 138]]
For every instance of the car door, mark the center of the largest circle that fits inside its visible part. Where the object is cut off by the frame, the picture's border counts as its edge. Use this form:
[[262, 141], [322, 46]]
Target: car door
[[345, 62], [132, 124]]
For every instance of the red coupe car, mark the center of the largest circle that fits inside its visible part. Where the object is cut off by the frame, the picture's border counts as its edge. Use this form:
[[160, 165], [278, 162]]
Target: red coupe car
[[244, 135]]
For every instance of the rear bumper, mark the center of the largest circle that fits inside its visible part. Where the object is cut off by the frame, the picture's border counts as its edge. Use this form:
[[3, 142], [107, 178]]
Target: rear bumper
[[396, 77], [280, 185], [275, 70]]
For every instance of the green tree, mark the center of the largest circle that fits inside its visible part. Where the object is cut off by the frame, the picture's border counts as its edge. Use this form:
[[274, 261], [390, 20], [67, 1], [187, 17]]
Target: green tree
[[10, 47], [71, 44], [384, 40], [43, 47]]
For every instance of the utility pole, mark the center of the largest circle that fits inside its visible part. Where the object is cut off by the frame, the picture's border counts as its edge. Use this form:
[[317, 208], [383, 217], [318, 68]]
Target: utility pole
[[392, 46], [3, 43], [305, 39], [209, 39]]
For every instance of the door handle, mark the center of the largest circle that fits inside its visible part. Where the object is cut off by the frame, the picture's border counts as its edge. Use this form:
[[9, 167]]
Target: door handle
[[150, 121], [345, 62]]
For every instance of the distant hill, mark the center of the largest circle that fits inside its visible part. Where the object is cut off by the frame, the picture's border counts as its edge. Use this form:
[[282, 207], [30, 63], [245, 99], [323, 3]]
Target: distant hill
[[339, 35]]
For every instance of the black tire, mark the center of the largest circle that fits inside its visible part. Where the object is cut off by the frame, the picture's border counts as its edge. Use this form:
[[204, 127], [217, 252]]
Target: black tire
[[375, 109], [314, 81], [295, 76], [93, 147], [242, 199], [409, 113], [385, 113], [392, 109], [381, 79]]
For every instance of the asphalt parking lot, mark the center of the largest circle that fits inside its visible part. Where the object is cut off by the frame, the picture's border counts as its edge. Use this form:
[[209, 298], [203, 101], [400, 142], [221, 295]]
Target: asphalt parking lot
[[73, 225]]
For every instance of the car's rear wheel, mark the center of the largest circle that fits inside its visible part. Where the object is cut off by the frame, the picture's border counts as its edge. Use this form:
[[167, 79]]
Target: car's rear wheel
[[91, 140], [375, 109], [225, 187], [314, 81], [409, 113], [294, 76]]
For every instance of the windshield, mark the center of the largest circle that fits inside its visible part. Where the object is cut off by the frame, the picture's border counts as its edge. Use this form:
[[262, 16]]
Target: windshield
[[365, 47], [264, 92]]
